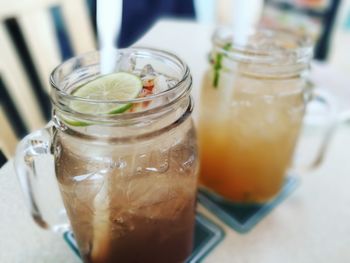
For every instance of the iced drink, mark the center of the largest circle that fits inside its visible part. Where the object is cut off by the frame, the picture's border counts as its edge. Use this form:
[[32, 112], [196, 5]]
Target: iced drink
[[250, 116], [127, 171], [130, 205], [247, 142]]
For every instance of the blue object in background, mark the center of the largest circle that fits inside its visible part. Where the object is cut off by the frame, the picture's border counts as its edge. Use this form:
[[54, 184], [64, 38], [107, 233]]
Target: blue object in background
[[61, 33], [140, 15]]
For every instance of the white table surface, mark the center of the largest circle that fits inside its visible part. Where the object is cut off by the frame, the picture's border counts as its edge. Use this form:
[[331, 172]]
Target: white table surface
[[312, 225]]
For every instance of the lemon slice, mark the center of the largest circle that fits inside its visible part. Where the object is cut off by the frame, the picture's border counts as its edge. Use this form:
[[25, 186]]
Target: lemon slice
[[115, 86]]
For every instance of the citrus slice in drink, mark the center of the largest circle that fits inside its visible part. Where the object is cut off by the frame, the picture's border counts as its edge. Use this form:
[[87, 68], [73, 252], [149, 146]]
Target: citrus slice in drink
[[112, 87], [115, 86]]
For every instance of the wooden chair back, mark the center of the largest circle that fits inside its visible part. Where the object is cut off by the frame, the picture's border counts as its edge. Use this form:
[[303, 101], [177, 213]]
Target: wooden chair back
[[30, 48]]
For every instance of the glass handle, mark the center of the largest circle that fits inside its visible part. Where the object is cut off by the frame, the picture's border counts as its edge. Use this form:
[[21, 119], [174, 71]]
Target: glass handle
[[326, 113], [31, 177]]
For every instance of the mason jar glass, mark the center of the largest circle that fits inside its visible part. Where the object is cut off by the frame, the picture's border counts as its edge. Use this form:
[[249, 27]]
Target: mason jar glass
[[128, 181], [253, 101]]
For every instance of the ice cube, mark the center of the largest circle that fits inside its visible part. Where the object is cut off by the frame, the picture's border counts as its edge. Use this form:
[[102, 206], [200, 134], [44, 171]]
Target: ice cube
[[148, 72], [160, 84], [156, 161], [82, 189], [183, 158], [126, 63], [149, 195], [171, 82]]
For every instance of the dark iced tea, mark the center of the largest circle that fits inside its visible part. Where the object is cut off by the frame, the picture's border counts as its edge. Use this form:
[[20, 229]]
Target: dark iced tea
[[132, 202], [126, 157]]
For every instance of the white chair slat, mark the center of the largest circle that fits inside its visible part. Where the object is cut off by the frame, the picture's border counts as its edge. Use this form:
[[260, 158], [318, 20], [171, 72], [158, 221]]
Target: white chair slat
[[39, 33], [17, 83], [8, 139], [78, 25], [16, 8]]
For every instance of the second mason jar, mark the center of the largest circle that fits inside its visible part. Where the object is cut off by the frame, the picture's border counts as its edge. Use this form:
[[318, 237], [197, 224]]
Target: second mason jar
[[252, 107]]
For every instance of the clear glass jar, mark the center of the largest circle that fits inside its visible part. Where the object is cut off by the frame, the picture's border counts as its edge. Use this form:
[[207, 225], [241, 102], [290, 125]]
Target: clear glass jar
[[128, 181], [253, 101]]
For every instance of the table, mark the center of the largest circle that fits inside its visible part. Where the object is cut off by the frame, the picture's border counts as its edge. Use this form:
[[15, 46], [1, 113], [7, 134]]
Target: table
[[312, 225]]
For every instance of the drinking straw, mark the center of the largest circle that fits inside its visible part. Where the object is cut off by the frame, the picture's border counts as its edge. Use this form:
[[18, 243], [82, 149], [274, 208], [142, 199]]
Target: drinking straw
[[245, 17], [109, 18]]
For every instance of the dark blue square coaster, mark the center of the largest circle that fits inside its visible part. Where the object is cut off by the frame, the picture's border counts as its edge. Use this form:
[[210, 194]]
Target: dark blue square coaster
[[243, 218], [207, 236]]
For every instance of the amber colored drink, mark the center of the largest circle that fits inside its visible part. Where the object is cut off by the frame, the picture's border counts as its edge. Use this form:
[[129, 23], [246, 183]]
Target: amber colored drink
[[248, 129]]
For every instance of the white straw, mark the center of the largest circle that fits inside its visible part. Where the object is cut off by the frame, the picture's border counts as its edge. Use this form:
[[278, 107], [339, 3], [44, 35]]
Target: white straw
[[109, 19], [245, 16]]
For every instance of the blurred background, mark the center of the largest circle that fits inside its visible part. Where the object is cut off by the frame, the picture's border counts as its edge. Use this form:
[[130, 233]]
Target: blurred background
[[37, 35]]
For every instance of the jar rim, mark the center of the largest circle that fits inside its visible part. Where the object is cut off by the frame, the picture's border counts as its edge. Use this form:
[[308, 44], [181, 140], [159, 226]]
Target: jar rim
[[185, 76], [297, 47], [86, 66], [132, 138]]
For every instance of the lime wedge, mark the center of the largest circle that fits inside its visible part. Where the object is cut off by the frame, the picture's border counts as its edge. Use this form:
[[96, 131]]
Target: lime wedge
[[115, 86], [76, 123]]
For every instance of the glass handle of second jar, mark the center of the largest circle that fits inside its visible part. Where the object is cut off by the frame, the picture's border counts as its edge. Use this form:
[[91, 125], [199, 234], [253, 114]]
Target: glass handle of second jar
[[34, 181], [329, 118]]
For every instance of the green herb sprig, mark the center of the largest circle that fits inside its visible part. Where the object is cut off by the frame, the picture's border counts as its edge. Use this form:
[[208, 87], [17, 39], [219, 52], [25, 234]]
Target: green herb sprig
[[218, 64]]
